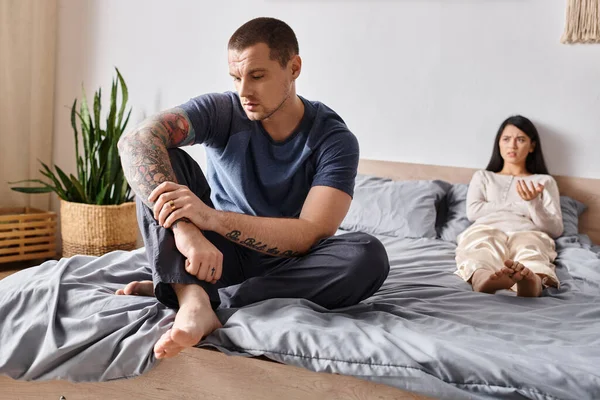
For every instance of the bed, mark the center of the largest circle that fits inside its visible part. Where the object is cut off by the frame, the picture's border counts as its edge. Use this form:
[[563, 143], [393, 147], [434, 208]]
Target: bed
[[424, 334]]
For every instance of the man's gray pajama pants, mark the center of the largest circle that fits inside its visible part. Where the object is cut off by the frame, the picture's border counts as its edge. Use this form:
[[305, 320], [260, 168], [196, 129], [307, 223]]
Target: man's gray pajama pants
[[336, 272]]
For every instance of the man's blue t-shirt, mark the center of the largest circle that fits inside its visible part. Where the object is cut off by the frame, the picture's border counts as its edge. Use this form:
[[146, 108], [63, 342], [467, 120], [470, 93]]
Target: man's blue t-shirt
[[250, 173]]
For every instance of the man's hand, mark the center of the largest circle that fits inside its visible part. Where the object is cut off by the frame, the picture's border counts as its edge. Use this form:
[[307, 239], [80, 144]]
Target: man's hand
[[528, 192], [203, 259], [174, 202]]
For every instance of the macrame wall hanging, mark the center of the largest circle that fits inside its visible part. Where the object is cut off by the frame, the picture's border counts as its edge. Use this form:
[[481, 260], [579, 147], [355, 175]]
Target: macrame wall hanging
[[583, 22]]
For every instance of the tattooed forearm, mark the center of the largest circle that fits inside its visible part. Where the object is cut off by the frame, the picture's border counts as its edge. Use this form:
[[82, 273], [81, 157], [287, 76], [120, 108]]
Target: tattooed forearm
[[144, 153], [282, 237], [235, 236], [145, 162]]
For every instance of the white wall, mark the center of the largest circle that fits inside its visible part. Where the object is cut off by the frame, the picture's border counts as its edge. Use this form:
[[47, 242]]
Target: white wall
[[424, 81]]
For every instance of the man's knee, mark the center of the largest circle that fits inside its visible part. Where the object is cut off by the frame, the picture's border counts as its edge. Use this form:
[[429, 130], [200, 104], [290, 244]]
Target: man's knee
[[370, 262], [181, 161], [189, 173]]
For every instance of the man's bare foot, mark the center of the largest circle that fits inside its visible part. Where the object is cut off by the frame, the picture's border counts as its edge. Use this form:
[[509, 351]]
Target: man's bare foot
[[486, 281], [142, 288], [194, 320], [528, 283]]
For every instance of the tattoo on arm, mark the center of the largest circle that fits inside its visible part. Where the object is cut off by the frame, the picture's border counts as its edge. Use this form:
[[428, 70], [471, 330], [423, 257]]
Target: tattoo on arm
[[144, 154], [252, 243], [146, 162], [184, 219], [178, 127]]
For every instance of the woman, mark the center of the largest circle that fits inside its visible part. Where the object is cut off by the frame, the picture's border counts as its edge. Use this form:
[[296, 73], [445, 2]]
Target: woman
[[515, 207]]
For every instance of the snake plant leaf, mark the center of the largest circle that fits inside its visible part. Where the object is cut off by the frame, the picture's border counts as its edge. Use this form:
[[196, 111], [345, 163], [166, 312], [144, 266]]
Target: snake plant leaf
[[97, 108], [59, 191], [85, 120], [118, 188], [79, 188], [34, 190], [126, 121], [50, 175], [125, 190], [76, 134], [124, 98], [112, 113], [113, 164], [101, 195], [84, 109], [73, 194], [85, 158], [44, 189], [80, 165]]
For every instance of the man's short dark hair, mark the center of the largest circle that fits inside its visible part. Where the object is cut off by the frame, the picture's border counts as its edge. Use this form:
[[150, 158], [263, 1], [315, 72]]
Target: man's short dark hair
[[276, 34]]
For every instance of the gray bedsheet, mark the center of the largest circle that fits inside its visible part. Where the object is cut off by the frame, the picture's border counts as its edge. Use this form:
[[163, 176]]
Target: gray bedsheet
[[424, 331], [61, 320]]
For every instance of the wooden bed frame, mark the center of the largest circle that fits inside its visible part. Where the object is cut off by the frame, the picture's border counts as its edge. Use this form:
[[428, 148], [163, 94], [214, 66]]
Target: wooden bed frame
[[207, 374]]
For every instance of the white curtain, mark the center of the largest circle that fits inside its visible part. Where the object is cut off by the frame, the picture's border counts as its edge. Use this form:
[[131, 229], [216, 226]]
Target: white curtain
[[27, 64]]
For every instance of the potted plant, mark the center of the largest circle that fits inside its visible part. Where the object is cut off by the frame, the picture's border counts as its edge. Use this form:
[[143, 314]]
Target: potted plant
[[96, 207]]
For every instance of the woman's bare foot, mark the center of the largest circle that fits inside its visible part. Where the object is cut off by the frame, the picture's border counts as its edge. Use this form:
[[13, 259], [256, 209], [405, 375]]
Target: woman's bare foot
[[194, 320], [486, 281], [528, 283], [143, 288]]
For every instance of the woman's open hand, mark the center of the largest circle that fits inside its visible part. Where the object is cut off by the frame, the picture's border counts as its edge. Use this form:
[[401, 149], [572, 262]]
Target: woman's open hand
[[529, 191]]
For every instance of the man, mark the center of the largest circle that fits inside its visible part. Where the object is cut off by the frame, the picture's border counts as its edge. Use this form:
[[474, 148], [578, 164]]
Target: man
[[281, 173]]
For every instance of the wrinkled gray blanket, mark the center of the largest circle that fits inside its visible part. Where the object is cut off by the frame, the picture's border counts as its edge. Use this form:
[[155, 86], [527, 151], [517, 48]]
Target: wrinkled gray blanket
[[424, 331]]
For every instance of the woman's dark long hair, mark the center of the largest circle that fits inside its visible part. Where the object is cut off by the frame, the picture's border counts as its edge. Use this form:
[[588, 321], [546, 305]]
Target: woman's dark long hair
[[534, 163]]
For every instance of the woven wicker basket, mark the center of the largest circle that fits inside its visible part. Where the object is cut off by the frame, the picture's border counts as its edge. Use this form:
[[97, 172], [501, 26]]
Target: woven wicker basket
[[26, 234], [96, 230]]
